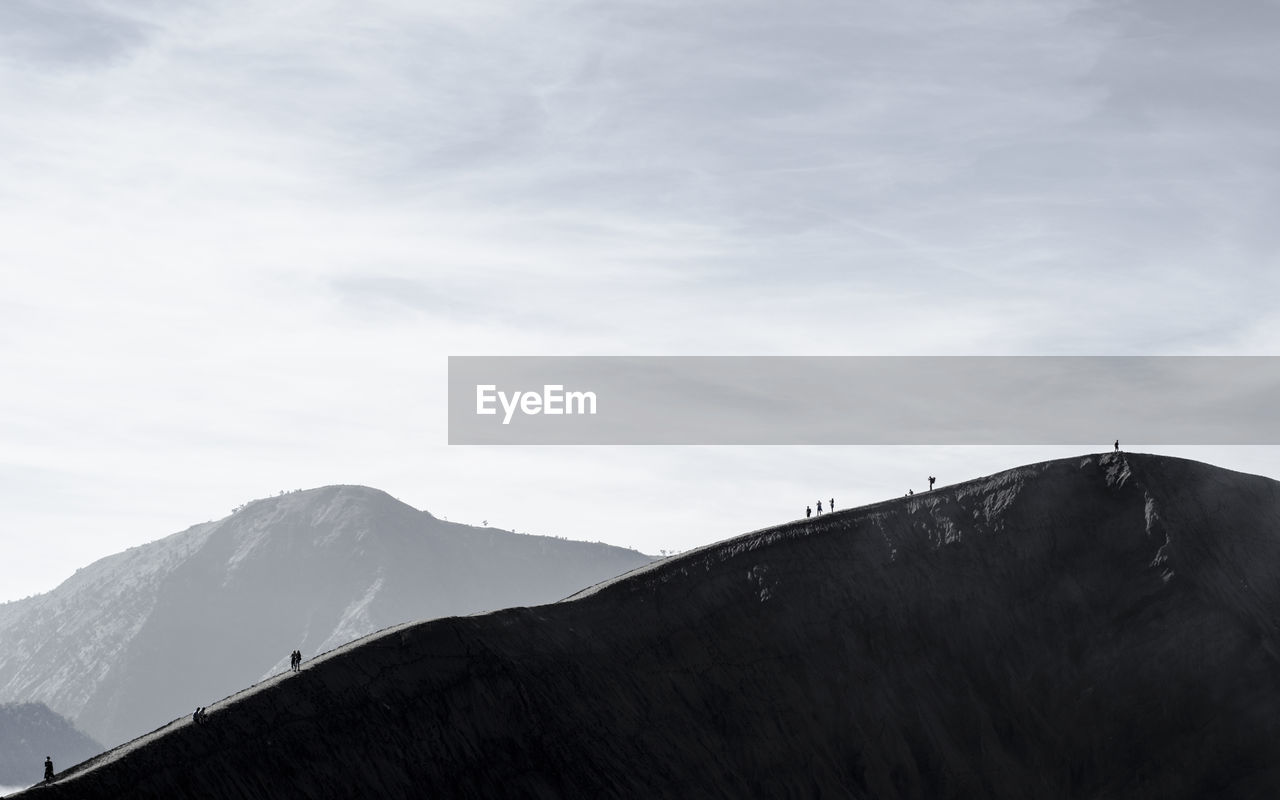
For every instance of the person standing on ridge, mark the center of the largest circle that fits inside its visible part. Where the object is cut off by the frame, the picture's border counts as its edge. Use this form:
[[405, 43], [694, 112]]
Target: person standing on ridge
[[48, 769], [931, 480], [808, 512], [832, 507], [1117, 445], [819, 508]]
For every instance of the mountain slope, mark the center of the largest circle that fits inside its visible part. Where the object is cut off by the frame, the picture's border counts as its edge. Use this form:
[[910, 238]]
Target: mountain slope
[[1094, 627], [140, 637], [28, 733]]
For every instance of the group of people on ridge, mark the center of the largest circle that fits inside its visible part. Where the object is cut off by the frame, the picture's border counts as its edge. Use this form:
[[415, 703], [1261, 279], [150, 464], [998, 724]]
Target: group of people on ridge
[[808, 510], [295, 664]]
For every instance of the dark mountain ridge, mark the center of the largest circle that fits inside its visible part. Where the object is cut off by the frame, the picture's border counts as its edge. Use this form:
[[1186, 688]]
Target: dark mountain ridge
[[1101, 626], [139, 637]]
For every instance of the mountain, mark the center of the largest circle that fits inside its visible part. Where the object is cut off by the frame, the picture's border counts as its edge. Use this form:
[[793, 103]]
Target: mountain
[[142, 636], [29, 732], [1102, 626]]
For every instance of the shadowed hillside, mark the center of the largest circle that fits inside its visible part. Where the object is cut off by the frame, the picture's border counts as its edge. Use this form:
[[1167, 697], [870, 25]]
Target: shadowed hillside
[[137, 638], [28, 733], [1102, 626]]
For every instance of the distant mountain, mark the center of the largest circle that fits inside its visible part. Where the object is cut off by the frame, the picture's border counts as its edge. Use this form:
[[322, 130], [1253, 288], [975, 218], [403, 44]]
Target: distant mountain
[[28, 733], [138, 638], [1102, 626]]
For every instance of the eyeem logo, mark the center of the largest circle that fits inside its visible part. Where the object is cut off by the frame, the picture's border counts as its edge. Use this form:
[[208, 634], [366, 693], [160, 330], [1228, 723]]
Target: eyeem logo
[[553, 399], [864, 400]]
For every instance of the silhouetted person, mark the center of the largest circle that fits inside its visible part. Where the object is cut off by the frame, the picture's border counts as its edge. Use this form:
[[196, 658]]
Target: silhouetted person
[[48, 768], [195, 715], [819, 507], [1117, 445], [808, 512], [931, 480], [832, 507], [910, 492]]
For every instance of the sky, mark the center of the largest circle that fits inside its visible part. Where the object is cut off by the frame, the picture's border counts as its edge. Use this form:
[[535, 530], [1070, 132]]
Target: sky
[[239, 240]]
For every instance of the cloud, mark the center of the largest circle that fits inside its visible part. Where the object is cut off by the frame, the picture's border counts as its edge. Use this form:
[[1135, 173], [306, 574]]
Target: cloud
[[70, 34], [259, 228]]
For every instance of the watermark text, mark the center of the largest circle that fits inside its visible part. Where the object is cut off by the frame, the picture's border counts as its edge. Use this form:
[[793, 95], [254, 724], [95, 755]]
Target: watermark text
[[552, 399]]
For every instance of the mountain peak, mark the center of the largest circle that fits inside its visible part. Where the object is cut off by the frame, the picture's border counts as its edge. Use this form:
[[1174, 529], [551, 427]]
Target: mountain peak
[[134, 638], [334, 496], [1095, 626]]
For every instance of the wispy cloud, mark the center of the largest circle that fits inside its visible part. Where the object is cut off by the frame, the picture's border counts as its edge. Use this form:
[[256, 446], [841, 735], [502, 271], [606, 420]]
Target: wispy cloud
[[74, 34], [251, 227]]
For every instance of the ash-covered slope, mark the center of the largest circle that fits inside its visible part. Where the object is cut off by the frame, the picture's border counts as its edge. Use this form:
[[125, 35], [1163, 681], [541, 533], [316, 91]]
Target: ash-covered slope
[[1103, 626], [137, 638]]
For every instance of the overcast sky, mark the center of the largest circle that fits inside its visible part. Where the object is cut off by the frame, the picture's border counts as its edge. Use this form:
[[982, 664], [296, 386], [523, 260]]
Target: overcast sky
[[238, 240]]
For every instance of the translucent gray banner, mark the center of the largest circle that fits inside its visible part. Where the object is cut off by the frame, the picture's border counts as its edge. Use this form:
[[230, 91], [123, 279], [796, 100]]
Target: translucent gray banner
[[867, 400]]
